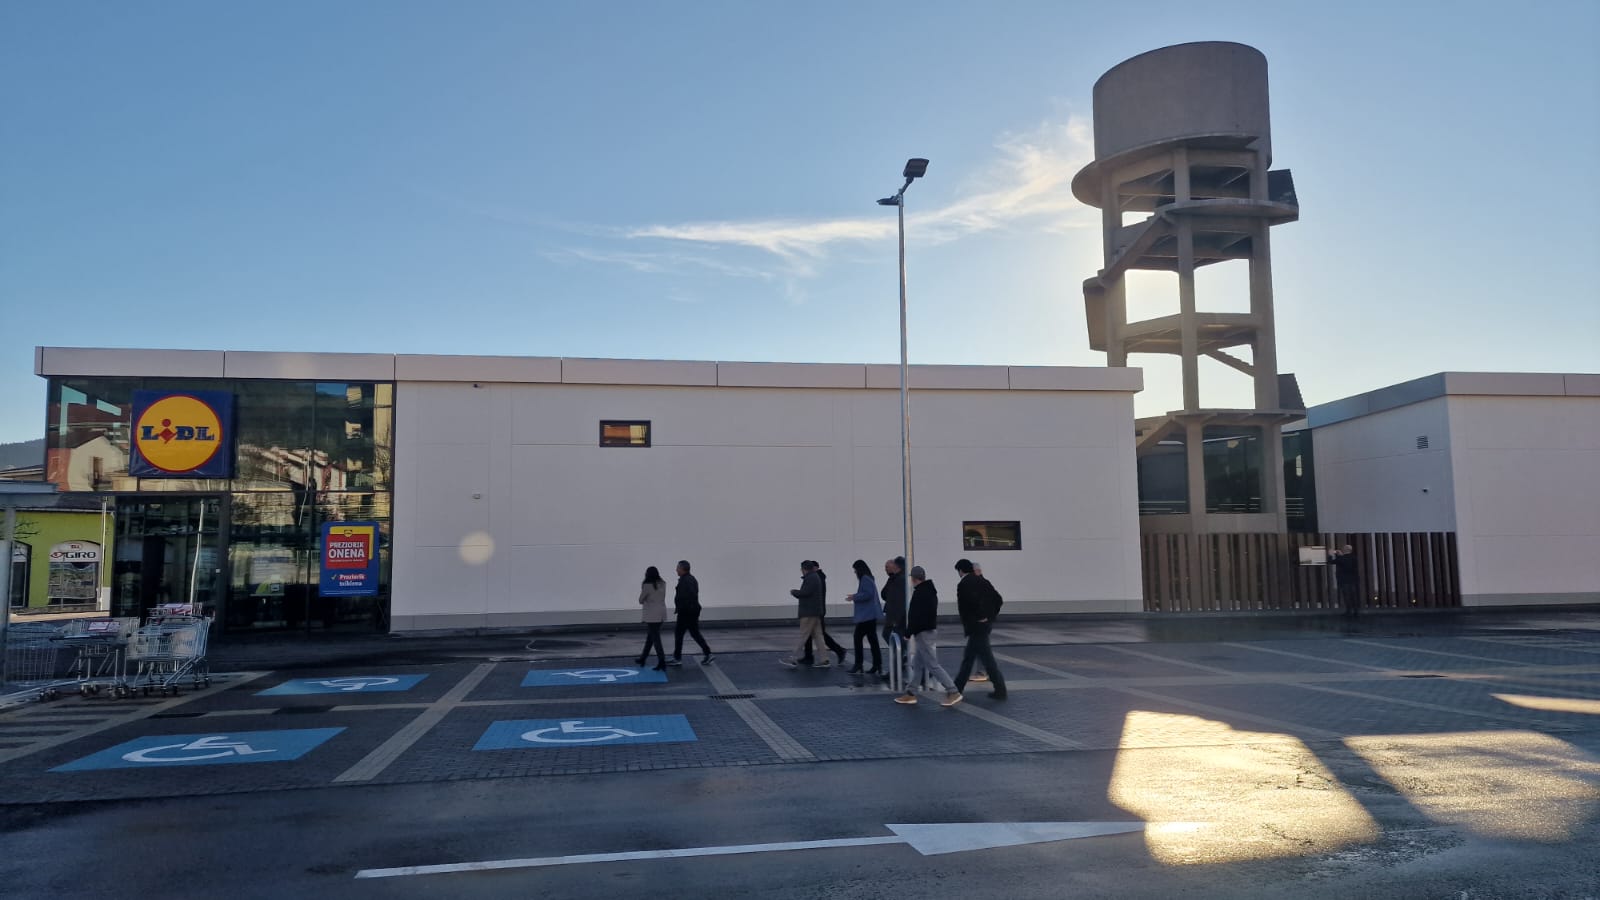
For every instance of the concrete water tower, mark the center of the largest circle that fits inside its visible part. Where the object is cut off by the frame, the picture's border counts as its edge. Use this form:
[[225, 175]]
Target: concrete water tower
[[1183, 146]]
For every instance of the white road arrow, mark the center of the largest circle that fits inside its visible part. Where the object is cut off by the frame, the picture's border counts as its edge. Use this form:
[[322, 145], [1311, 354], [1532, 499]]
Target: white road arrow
[[929, 840]]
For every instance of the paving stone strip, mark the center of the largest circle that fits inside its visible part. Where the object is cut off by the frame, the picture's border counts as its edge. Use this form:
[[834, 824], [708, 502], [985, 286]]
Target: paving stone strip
[[1156, 657], [373, 764], [781, 742], [1435, 707], [1495, 659], [1309, 657], [1022, 728]]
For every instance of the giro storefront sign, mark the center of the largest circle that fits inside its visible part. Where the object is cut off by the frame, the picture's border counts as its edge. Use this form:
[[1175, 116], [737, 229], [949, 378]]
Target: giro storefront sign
[[182, 435], [349, 559]]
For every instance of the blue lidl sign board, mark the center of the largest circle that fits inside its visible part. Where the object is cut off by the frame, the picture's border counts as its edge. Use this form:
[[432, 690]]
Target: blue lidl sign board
[[215, 749], [568, 677], [182, 434], [349, 559], [344, 684], [602, 731]]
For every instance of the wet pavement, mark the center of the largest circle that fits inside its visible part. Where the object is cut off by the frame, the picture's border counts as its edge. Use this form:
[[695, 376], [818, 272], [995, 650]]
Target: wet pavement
[[1399, 756]]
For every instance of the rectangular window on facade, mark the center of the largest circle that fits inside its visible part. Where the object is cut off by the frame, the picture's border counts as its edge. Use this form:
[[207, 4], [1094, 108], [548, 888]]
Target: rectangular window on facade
[[991, 535], [616, 433]]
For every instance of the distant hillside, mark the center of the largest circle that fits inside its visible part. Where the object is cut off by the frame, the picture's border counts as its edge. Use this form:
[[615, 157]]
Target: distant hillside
[[22, 453]]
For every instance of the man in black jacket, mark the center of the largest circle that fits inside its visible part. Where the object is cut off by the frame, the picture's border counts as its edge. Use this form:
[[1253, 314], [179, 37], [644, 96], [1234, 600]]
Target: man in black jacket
[[686, 606], [833, 645], [979, 604], [894, 597], [922, 624], [1348, 579]]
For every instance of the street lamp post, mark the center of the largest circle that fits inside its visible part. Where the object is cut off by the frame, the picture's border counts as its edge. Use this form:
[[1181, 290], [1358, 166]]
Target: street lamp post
[[915, 168]]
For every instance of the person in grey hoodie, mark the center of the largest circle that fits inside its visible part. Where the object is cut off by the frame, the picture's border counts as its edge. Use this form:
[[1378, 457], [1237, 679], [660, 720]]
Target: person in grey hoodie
[[653, 597], [812, 603], [868, 609]]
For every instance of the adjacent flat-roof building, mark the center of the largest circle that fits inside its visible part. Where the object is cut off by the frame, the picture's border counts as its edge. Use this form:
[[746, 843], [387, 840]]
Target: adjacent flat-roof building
[[516, 491], [1510, 462]]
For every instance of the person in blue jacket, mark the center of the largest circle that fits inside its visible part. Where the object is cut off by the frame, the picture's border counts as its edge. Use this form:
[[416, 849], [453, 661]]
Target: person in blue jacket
[[868, 610]]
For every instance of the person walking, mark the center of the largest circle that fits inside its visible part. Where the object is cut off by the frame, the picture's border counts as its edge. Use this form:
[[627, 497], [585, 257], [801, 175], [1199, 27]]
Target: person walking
[[686, 606], [833, 646], [922, 624], [979, 676], [868, 609], [978, 603], [811, 603], [653, 597], [893, 595], [1347, 577]]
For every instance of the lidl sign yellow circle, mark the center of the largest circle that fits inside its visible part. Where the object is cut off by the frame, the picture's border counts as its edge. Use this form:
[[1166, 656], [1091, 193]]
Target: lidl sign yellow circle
[[178, 434]]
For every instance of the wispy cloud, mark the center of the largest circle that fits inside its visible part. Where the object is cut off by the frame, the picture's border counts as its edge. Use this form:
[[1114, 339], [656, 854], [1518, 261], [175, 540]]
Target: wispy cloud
[[656, 263], [1028, 183]]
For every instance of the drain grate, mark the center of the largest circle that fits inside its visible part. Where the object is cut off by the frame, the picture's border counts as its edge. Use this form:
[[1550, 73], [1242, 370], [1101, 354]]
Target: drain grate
[[733, 696], [176, 715], [1421, 676], [292, 710]]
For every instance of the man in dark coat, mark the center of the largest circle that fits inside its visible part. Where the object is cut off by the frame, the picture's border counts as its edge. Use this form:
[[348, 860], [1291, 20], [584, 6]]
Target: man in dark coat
[[978, 603], [812, 601], [686, 606], [1347, 576]]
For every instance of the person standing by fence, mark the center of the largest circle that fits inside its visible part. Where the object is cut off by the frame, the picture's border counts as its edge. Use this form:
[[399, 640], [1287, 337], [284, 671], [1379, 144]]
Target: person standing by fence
[[867, 610], [1347, 577], [653, 597]]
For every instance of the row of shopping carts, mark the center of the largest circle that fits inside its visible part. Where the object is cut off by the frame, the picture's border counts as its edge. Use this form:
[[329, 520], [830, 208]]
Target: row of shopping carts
[[118, 656]]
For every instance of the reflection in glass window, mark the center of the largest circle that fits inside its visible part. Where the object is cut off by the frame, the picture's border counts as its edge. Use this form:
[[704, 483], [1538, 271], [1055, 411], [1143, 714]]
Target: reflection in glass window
[[991, 535], [616, 433], [1233, 461], [1164, 478], [90, 420]]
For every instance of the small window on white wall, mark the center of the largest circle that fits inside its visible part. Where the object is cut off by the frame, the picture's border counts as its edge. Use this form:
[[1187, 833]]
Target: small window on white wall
[[624, 433], [991, 535]]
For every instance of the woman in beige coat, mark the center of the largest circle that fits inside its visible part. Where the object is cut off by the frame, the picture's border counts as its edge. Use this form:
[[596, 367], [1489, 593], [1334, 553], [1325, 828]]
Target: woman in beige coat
[[653, 597]]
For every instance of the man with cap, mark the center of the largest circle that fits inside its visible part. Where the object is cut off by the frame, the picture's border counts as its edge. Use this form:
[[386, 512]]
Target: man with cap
[[922, 624], [979, 605]]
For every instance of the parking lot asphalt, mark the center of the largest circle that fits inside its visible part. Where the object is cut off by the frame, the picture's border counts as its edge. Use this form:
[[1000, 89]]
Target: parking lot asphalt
[[426, 709]]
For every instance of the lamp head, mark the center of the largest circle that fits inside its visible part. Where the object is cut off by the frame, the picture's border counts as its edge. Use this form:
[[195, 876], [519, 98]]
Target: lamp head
[[915, 168], [889, 201]]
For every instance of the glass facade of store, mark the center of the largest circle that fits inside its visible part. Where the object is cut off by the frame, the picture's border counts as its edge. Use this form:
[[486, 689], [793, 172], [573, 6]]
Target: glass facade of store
[[247, 548]]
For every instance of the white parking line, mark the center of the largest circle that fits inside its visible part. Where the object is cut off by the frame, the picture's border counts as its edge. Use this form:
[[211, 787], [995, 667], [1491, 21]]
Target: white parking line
[[373, 764]]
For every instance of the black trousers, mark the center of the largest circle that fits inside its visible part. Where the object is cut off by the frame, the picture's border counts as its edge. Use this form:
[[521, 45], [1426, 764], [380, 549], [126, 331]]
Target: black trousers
[[869, 630], [833, 645], [978, 650], [688, 623], [652, 639], [1350, 595]]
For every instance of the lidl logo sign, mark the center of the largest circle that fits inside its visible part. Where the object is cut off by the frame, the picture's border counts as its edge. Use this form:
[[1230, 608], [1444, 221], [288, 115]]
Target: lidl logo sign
[[182, 435], [349, 559]]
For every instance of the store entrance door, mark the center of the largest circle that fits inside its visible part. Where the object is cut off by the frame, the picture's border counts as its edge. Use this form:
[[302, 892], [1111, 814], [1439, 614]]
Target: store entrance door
[[169, 551]]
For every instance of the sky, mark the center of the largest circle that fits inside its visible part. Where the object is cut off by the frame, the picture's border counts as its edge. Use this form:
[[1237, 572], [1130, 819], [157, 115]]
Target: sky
[[696, 180]]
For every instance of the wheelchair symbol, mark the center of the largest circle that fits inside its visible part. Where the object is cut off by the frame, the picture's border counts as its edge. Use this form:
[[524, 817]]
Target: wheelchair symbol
[[604, 676], [590, 734], [215, 746], [355, 684]]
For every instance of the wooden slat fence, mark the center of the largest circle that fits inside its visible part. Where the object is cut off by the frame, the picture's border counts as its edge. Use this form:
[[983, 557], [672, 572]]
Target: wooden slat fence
[[1244, 572]]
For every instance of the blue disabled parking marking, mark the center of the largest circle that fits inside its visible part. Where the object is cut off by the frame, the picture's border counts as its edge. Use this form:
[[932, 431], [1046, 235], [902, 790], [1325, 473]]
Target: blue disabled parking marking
[[344, 684], [613, 675], [597, 732], [215, 749]]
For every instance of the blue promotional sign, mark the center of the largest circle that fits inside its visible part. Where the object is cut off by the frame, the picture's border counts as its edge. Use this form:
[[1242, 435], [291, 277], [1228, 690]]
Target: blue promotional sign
[[608, 731], [232, 748], [344, 684], [349, 559], [182, 435], [569, 677]]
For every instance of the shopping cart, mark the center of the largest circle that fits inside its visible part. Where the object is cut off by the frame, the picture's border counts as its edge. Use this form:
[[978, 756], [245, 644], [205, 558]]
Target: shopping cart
[[167, 650], [100, 646], [30, 662]]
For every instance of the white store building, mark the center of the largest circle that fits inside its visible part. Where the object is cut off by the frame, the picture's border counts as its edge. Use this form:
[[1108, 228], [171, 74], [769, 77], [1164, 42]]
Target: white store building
[[515, 492]]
